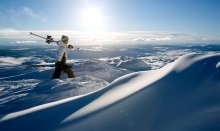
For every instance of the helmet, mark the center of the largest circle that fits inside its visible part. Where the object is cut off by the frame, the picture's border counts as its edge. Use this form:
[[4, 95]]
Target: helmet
[[64, 38]]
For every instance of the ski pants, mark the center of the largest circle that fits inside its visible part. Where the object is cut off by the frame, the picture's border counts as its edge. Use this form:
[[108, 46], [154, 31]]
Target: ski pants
[[60, 66]]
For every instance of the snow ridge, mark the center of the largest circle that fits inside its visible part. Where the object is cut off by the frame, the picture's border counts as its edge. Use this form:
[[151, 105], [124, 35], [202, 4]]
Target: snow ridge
[[183, 95]]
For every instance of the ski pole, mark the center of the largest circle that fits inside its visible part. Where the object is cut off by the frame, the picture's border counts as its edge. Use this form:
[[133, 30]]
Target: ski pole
[[38, 35], [48, 39]]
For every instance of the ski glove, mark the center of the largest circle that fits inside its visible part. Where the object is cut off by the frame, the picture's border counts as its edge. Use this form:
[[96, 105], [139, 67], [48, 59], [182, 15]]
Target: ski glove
[[70, 46]]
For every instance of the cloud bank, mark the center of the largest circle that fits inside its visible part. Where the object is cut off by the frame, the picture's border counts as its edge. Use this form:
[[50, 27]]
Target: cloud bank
[[83, 37]]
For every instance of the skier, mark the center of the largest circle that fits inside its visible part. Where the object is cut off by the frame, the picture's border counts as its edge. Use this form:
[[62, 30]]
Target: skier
[[61, 65]]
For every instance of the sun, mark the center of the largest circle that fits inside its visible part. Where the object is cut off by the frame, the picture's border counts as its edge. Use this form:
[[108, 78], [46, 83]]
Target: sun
[[92, 18]]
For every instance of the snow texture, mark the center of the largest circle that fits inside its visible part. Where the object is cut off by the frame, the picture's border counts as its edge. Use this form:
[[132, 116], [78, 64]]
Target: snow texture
[[183, 96]]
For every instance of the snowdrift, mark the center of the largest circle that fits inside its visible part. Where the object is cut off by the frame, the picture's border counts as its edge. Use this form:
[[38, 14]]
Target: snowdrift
[[183, 96], [134, 65]]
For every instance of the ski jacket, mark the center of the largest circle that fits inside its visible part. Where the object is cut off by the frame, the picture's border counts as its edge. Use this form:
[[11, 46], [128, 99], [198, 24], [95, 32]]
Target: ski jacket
[[62, 49]]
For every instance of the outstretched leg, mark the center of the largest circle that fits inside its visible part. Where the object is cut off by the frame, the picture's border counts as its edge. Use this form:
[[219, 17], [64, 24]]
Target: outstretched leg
[[68, 71]]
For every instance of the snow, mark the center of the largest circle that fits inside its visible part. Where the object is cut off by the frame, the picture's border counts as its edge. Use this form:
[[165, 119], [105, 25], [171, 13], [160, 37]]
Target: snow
[[134, 65], [99, 70], [12, 61], [218, 65], [43, 91], [183, 95]]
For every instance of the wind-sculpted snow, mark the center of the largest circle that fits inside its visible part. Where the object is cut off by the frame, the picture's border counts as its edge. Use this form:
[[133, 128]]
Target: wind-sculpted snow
[[134, 65], [22, 94], [183, 96]]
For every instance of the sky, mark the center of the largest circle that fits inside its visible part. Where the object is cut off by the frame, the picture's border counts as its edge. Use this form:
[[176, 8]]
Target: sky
[[192, 20]]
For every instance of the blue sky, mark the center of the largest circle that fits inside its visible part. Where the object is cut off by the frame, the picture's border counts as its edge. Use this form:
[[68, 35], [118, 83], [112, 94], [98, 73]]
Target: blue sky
[[198, 17]]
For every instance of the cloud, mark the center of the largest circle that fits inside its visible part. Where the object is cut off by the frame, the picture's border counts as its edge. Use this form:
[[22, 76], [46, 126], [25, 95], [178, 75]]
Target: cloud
[[163, 37], [25, 42], [151, 39], [139, 39], [15, 17], [10, 33], [29, 12], [82, 37]]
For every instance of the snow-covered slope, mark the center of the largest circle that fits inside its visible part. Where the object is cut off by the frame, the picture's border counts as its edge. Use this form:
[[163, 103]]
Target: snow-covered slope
[[134, 65], [184, 95]]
